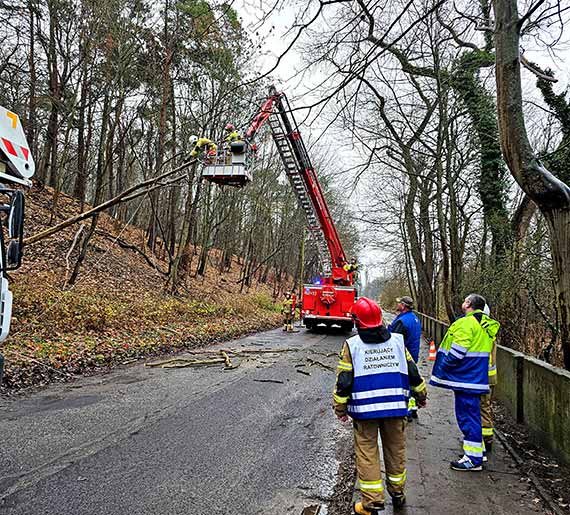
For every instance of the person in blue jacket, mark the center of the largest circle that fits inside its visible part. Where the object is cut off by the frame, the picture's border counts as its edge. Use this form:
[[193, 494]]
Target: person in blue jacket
[[462, 365], [409, 326]]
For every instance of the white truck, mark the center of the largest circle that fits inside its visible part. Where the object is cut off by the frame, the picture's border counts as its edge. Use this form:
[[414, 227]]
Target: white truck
[[16, 168]]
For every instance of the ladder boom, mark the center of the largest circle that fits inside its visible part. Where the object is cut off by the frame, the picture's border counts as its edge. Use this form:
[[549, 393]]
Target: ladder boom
[[303, 179]]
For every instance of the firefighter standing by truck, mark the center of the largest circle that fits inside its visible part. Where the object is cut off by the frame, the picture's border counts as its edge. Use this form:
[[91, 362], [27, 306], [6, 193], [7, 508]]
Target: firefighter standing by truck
[[288, 311], [375, 376], [352, 268]]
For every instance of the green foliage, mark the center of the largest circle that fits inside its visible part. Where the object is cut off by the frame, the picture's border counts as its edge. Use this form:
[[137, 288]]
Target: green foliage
[[231, 15], [265, 302], [480, 104], [197, 9]]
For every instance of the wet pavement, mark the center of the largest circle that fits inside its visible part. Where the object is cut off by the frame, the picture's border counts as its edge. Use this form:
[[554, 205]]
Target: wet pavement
[[433, 440], [258, 439]]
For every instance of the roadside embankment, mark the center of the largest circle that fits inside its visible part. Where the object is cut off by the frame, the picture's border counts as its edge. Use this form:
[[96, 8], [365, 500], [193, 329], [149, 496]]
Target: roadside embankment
[[119, 309], [58, 334]]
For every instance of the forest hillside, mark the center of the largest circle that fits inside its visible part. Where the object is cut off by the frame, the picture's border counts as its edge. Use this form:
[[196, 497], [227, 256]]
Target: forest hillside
[[118, 310]]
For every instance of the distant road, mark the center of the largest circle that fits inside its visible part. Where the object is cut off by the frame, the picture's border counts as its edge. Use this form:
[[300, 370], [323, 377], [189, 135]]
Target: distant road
[[192, 441]]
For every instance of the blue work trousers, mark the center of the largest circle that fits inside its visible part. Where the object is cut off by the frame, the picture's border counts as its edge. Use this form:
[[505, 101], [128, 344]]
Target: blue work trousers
[[468, 413]]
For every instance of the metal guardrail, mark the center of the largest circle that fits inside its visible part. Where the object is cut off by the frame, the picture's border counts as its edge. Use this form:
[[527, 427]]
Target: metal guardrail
[[433, 328]]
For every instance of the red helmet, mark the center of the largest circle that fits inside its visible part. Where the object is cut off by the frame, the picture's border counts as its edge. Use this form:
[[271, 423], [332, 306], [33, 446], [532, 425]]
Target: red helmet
[[366, 313], [230, 127]]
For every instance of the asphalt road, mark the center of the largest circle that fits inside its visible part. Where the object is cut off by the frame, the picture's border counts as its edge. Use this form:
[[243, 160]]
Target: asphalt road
[[191, 441]]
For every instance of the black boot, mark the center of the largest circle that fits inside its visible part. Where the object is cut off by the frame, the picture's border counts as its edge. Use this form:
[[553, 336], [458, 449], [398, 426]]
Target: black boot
[[398, 501]]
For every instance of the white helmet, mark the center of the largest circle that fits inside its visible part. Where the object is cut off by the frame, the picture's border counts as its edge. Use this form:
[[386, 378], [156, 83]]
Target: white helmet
[[193, 139]]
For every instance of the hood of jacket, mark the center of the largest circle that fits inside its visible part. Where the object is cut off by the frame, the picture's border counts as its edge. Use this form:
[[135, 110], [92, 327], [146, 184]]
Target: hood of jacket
[[374, 335]]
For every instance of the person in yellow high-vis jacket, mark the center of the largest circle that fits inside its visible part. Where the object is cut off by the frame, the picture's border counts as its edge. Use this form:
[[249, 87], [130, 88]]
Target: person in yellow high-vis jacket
[[486, 407], [287, 310], [202, 144], [375, 377], [232, 134]]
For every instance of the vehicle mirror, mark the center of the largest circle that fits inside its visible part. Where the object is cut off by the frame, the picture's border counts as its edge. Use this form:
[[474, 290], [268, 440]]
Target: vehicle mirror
[[14, 254], [16, 216]]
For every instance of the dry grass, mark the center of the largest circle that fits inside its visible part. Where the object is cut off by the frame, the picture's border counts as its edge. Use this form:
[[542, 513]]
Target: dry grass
[[118, 310]]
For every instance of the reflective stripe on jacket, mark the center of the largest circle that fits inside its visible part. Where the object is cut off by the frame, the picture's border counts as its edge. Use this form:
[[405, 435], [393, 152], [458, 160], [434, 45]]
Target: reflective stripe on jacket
[[380, 386], [462, 361]]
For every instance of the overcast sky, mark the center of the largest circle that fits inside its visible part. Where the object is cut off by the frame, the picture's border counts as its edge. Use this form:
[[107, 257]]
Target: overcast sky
[[275, 33]]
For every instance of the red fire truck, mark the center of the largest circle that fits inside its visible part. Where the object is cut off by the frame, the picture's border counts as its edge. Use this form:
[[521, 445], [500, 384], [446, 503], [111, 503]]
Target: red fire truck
[[328, 300]]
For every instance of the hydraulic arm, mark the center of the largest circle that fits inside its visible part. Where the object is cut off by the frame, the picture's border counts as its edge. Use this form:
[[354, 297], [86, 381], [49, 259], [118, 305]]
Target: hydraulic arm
[[303, 178], [329, 301]]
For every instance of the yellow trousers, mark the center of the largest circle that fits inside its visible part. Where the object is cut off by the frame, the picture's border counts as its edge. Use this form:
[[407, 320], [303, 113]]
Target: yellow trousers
[[487, 416], [368, 467]]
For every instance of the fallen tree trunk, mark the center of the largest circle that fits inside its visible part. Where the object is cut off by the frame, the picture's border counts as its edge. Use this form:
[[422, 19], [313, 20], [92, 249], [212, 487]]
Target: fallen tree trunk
[[124, 196]]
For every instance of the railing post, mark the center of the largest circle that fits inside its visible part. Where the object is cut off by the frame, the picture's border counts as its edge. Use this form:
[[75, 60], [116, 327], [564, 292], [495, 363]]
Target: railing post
[[519, 364]]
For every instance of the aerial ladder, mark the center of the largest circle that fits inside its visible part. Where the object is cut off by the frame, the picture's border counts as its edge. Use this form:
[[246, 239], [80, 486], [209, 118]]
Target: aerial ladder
[[327, 301], [16, 168]]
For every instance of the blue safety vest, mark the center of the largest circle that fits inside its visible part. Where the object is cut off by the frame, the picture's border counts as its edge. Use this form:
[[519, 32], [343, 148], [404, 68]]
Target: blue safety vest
[[380, 387], [413, 334]]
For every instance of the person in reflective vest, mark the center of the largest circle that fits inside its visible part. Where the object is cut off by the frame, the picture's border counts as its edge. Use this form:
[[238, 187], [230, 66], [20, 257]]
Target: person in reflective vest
[[352, 268], [202, 144], [232, 134], [375, 375], [287, 312], [486, 407], [409, 326], [462, 365]]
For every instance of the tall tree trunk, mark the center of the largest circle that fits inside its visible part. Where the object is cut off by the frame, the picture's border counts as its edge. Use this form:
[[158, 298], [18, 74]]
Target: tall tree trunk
[[81, 177], [32, 133], [551, 195], [47, 171], [162, 125], [174, 192]]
